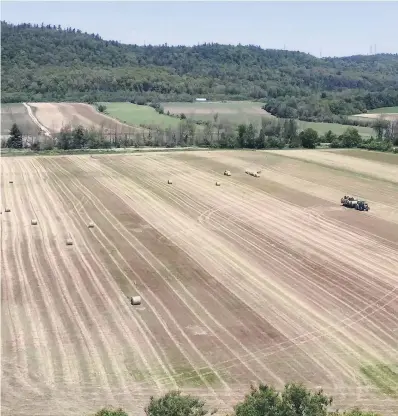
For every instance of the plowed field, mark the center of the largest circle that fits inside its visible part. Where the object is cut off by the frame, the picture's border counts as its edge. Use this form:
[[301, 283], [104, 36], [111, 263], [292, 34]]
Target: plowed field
[[259, 279]]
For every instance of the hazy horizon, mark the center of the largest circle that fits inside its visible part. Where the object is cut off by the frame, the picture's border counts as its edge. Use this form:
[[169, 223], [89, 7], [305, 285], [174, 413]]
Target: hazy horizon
[[319, 28]]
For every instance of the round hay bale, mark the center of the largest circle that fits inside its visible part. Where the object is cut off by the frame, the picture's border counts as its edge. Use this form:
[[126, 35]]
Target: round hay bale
[[69, 242], [170, 182], [7, 210], [90, 224], [218, 183], [136, 300], [33, 222]]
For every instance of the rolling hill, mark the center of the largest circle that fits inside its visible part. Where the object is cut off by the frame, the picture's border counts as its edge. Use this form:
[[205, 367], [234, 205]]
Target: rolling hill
[[48, 63]]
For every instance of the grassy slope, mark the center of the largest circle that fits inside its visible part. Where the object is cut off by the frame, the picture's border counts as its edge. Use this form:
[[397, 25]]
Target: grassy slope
[[384, 110], [139, 114], [246, 112]]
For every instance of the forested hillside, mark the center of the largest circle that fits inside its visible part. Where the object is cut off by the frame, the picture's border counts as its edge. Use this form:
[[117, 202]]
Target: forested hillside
[[51, 64]]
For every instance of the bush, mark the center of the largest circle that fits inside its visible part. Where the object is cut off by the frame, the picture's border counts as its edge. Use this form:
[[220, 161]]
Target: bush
[[110, 411], [336, 144], [294, 400], [101, 108], [175, 404], [380, 145], [309, 138]]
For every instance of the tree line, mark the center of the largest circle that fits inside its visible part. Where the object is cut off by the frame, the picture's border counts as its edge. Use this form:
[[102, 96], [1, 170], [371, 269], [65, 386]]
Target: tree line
[[271, 134], [264, 400], [48, 63]]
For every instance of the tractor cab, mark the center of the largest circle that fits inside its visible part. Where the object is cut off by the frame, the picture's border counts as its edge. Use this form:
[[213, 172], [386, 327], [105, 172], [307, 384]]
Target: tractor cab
[[362, 206]]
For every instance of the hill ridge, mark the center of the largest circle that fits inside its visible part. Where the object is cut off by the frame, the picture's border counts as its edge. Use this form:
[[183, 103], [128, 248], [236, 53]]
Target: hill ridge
[[48, 63]]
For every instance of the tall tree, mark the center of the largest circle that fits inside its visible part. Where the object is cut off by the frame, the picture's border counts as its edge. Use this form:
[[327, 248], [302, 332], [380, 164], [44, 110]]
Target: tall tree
[[309, 138], [15, 140]]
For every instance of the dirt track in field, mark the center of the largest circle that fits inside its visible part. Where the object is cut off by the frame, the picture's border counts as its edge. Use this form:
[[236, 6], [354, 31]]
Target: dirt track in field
[[259, 279], [55, 116]]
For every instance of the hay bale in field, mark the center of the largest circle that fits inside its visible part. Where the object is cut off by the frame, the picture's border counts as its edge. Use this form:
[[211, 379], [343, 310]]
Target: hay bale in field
[[170, 182], [256, 175], [218, 184], [69, 242], [10, 181], [247, 171], [33, 222], [7, 210], [259, 171], [227, 173], [90, 224], [136, 300]]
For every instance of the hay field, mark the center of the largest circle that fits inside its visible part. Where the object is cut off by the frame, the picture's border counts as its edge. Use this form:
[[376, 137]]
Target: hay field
[[388, 113], [17, 113], [139, 114], [55, 116], [382, 110], [236, 112], [257, 279]]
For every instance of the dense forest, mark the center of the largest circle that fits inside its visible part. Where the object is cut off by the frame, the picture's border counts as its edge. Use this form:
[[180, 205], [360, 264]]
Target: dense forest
[[48, 63]]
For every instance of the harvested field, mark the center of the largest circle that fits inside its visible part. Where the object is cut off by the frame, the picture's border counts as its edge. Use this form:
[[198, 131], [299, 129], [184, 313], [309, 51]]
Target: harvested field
[[262, 279], [236, 112], [55, 116], [384, 157], [17, 113]]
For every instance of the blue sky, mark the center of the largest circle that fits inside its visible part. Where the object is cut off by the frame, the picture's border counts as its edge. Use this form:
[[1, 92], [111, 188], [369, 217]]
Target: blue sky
[[330, 28]]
